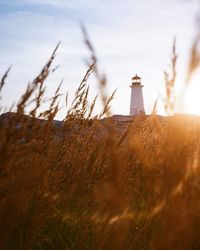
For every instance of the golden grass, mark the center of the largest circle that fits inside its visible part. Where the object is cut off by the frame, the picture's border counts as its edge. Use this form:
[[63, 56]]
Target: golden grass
[[82, 184]]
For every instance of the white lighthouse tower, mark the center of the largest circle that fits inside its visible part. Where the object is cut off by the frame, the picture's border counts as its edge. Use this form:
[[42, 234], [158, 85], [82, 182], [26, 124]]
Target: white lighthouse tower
[[137, 102]]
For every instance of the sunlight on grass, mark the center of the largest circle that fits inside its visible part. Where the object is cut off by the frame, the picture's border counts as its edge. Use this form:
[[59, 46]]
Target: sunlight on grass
[[90, 182]]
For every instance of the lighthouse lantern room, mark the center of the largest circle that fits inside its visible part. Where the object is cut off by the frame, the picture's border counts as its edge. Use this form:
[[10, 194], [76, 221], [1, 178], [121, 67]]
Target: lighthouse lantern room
[[137, 102]]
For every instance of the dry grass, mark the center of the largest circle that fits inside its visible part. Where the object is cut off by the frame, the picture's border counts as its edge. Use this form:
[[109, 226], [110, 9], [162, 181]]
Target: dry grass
[[82, 184]]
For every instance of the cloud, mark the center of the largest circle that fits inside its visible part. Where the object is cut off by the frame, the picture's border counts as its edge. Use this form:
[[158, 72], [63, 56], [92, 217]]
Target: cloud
[[68, 4]]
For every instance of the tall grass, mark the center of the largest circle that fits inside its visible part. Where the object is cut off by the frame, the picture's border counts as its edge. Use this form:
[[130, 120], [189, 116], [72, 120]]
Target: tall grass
[[83, 184]]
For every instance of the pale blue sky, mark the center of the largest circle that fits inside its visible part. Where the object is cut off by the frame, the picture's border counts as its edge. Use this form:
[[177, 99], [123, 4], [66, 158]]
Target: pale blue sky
[[130, 36]]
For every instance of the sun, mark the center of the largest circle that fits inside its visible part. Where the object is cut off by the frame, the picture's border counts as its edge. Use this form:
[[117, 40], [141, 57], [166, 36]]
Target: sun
[[192, 98]]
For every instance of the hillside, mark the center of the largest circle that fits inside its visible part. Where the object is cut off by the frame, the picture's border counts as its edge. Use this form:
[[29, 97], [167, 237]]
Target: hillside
[[119, 182]]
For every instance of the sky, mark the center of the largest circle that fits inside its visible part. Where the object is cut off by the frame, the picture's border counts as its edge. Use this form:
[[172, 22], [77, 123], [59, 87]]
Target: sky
[[130, 37]]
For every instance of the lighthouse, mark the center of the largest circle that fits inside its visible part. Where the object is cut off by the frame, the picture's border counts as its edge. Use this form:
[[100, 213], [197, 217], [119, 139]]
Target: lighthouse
[[137, 102]]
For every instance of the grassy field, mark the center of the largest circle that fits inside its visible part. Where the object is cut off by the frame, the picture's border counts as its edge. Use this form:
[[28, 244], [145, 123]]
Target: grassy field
[[84, 183]]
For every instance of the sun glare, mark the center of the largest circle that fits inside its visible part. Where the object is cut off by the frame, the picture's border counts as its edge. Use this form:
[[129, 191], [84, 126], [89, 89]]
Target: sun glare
[[192, 99]]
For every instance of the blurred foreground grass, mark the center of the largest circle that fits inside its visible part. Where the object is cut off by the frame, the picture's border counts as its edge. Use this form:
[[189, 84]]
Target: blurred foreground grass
[[90, 183]]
